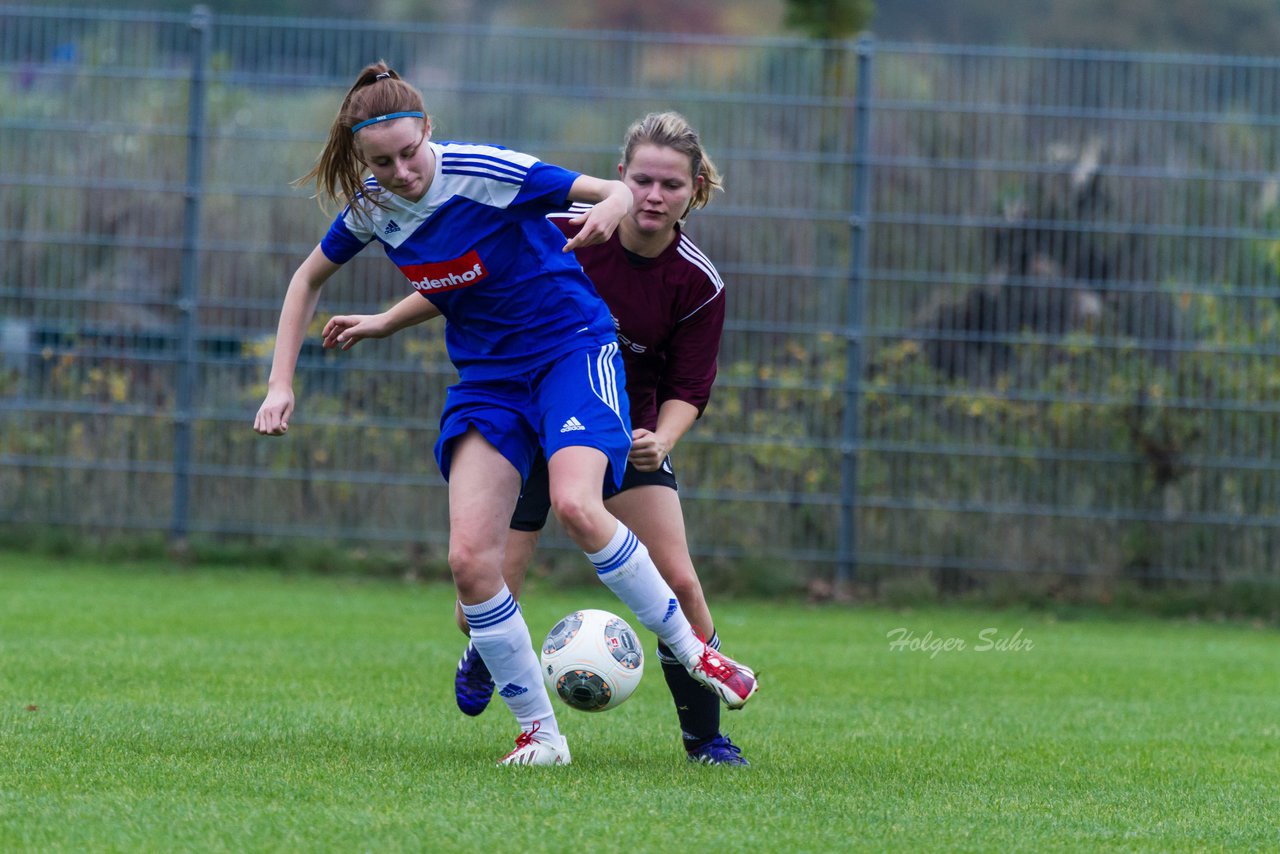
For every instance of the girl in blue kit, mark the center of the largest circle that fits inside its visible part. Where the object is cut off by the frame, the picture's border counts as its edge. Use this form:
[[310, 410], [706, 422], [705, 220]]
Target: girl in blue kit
[[537, 359]]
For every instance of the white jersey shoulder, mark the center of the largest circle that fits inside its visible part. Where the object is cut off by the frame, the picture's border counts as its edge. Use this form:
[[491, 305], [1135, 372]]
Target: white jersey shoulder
[[484, 174]]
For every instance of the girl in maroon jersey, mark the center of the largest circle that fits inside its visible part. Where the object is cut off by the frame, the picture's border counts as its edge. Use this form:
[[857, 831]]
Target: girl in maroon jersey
[[667, 302]]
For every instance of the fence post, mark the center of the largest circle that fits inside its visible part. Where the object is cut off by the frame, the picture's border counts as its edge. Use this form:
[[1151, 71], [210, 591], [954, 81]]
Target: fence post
[[188, 300], [847, 563]]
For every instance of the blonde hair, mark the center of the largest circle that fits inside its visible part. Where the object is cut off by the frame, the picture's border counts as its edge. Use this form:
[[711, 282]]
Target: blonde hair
[[339, 171], [672, 130]]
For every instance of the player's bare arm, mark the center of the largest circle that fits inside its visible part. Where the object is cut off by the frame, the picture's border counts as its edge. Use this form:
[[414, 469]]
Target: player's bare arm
[[295, 316], [610, 201], [345, 330]]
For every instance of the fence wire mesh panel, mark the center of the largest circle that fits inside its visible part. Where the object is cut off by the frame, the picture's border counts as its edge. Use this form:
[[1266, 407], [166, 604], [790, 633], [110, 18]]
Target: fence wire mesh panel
[[1071, 315], [150, 229], [987, 310]]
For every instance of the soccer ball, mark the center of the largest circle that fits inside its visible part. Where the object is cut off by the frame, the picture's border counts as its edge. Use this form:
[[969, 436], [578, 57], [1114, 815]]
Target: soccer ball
[[592, 660]]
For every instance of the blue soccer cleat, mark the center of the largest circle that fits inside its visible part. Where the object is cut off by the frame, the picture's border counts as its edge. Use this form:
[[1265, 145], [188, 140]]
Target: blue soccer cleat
[[472, 684], [718, 751]]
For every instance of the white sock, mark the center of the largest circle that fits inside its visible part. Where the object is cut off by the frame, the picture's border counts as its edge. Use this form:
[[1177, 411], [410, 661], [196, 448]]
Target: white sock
[[626, 568], [665, 656], [501, 635]]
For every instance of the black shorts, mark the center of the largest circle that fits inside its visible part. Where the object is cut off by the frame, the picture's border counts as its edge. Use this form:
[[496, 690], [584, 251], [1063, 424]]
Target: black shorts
[[535, 501]]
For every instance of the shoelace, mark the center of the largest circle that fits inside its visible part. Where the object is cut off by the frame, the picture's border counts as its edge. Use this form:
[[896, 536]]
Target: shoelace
[[719, 669], [524, 739], [713, 664]]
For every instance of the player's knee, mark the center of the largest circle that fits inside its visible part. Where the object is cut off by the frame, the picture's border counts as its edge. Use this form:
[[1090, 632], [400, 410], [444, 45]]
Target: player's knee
[[469, 563], [578, 514]]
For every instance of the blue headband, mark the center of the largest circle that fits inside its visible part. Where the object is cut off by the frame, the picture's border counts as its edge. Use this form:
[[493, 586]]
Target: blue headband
[[411, 114]]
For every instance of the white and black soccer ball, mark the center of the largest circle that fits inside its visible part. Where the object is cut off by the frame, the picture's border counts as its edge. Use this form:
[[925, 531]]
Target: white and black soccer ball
[[592, 660]]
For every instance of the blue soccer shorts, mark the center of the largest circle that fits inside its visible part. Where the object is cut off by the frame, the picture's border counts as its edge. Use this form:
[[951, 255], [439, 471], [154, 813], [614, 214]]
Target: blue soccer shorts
[[577, 400]]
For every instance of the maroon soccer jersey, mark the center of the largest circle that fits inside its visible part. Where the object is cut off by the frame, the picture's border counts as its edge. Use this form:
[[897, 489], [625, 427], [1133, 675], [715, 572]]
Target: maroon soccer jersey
[[669, 314]]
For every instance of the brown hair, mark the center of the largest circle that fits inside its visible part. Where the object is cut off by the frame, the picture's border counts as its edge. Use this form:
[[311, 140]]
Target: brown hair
[[672, 130], [339, 171]]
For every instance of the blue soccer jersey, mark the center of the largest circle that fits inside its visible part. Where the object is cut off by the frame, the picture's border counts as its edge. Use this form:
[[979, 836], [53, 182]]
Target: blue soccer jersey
[[479, 246]]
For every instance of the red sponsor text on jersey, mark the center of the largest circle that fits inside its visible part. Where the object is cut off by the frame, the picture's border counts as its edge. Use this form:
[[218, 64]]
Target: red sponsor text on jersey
[[446, 275]]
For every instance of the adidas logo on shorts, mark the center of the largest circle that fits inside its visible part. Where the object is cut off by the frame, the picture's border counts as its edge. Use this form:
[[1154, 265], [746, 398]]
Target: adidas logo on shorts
[[571, 425]]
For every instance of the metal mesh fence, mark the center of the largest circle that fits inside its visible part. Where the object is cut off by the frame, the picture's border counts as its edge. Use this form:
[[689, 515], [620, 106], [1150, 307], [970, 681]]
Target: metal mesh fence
[[988, 310], [1071, 305]]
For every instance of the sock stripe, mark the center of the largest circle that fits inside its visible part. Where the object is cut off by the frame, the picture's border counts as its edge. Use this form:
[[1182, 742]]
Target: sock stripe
[[620, 557], [493, 616]]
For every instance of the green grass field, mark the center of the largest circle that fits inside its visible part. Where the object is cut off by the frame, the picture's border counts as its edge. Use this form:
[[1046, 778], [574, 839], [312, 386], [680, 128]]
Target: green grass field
[[149, 709]]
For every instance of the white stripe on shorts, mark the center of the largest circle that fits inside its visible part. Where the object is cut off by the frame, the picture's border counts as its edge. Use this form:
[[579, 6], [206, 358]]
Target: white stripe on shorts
[[607, 377]]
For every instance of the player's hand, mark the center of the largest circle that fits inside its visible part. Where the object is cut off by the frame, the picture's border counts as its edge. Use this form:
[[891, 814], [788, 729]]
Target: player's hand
[[647, 450], [344, 330], [597, 223], [273, 416]]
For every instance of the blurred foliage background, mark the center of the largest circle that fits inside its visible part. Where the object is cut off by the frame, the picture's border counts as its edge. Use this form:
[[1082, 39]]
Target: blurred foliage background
[[1250, 27]]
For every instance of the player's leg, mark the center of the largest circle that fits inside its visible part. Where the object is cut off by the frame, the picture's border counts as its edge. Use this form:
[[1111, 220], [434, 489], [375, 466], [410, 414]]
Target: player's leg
[[527, 522], [483, 486], [520, 548], [472, 680], [472, 683], [586, 433], [653, 512], [622, 562]]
